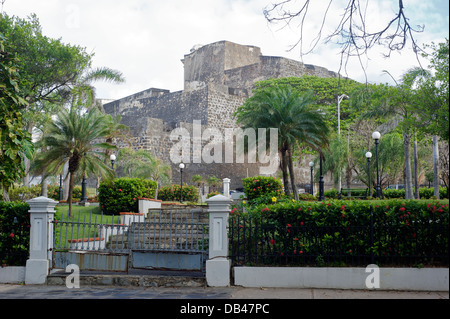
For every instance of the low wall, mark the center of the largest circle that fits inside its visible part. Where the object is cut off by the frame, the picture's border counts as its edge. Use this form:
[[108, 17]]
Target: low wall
[[12, 274], [424, 279]]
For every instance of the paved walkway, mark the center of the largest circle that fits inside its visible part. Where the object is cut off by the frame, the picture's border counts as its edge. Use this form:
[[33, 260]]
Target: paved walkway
[[113, 292]]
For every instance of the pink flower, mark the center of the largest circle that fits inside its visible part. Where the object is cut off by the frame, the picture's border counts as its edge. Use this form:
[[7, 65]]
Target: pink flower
[[342, 207], [120, 189]]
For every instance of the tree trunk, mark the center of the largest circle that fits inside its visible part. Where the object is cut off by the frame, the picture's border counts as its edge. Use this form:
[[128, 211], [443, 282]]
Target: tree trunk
[[5, 194], [70, 193], [292, 175], [285, 174], [44, 187], [408, 182], [416, 171], [436, 166]]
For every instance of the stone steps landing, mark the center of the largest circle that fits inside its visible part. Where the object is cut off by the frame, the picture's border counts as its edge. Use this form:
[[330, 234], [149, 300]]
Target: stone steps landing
[[133, 279]]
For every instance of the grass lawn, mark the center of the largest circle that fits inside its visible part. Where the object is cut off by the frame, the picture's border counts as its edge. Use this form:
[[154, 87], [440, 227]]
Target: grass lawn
[[83, 223]]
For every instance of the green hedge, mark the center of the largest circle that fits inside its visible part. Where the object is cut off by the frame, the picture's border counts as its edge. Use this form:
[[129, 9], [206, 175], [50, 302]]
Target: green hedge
[[172, 193], [121, 194], [424, 193], [14, 233], [262, 186], [407, 232]]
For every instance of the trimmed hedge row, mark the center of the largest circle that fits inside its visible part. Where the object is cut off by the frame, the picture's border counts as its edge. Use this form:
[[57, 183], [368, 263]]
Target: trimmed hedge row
[[121, 194], [172, 193], [14, 233], [405, 232], [262, 186]]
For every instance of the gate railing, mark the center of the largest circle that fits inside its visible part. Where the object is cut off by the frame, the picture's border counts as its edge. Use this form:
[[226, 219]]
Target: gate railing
[[171, 230]]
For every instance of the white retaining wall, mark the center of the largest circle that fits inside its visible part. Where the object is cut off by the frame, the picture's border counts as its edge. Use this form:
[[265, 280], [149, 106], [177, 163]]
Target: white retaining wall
[[425, 279]]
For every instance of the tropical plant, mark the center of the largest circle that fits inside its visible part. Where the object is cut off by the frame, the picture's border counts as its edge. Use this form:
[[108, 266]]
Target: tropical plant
[[72, 137], [291, 113], [15, 142]]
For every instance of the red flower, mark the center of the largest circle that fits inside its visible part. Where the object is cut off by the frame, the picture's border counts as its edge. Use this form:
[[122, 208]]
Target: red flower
[[295, 238], [11, 235], [295, 251], [120, 189], [440, 210], [342, 215], [300, 252], [289, 225], [254, 189], [300, 209], [402, 209], [342, 207], [301, 223], [272, 241]]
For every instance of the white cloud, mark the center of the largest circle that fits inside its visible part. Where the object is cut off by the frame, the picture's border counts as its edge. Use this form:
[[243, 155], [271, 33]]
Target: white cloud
[[147, 39]]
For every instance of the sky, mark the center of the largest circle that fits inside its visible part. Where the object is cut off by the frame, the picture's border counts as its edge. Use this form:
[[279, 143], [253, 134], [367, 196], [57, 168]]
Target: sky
[[146, 39]]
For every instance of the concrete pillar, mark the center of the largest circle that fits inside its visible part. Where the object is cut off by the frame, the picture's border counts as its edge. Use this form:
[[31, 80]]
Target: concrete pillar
[[218, 265], [41, 211], [226, 187]]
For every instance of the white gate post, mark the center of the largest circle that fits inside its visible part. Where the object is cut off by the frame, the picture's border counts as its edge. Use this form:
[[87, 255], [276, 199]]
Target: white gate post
[[41, 211], [218, 265], [226, 187]]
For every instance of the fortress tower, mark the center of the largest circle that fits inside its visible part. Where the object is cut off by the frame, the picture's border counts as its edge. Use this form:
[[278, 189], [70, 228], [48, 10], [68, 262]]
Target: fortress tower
[[218, 77]]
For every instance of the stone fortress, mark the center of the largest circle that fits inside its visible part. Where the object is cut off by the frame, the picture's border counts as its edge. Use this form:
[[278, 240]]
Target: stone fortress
[[218, 78]]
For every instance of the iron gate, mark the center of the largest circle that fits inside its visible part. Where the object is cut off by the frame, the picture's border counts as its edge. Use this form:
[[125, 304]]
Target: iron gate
[[174, 239]]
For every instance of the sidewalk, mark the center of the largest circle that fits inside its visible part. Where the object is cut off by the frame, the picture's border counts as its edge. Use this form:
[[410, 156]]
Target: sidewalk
[[113, 292]]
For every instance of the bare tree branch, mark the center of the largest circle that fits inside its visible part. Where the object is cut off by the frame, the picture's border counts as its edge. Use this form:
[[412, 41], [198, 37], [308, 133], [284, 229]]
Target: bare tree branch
[[352, 33]]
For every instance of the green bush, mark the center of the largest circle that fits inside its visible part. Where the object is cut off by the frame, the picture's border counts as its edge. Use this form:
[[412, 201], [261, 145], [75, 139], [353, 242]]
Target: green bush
[[331, 193], [24, 193], [121, 194], [262, 186], [340, 229], [172, 193], [14, 233], [424, 193]]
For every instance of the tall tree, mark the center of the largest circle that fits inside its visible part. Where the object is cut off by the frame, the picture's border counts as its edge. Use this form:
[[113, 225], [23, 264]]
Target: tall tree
[[15, 142], [291, 113], [52, 73], [72, 138], [355, 33]]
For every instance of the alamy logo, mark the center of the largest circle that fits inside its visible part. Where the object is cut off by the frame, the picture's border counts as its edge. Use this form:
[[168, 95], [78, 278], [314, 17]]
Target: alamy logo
[[373, 279], [73, 280], [262, 146]]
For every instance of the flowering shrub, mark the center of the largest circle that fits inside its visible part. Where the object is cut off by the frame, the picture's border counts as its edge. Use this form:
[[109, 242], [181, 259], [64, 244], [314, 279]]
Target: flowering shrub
[[404, 232], [172, 193], [209, 195], [121, 195], [262, 186], [14, 233]]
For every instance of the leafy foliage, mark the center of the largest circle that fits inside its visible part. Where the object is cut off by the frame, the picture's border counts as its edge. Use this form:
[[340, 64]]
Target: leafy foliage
[[14, 233], [312, 233], [173, 192], [15, 142], [262, 186], [121, 194]]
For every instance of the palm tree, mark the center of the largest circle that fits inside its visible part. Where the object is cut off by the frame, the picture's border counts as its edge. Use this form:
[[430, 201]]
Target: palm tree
[[297, 122], [72, 137]]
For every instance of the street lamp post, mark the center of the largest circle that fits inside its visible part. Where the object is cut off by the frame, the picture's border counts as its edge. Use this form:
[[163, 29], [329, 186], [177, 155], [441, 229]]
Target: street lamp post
[[321, 188], [311, 165], [181, 173], [83, 199], [340, 98], [376, 136], [368, 156], [113, 160], [61, 194]]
